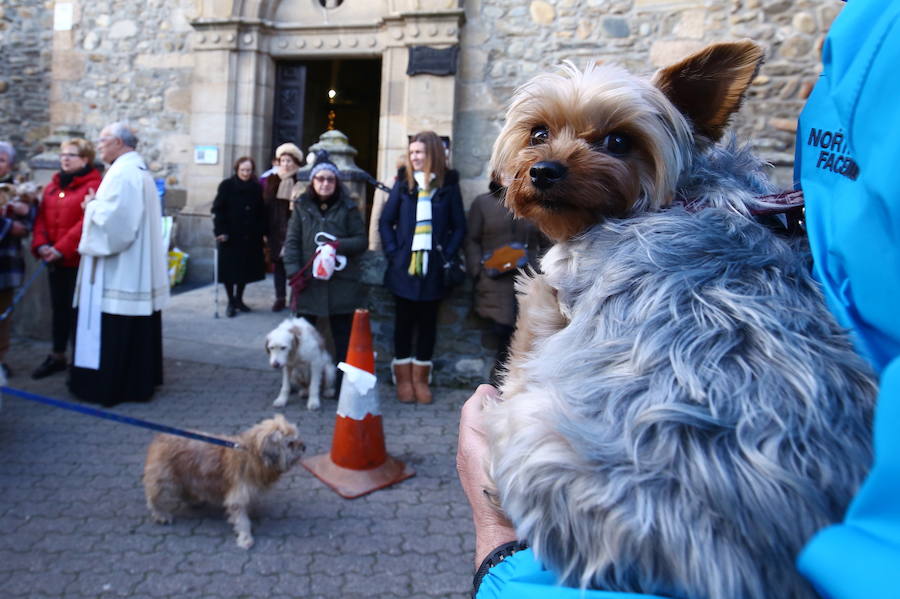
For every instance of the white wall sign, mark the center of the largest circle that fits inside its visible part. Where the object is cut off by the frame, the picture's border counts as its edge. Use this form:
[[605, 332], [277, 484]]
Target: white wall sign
[[62, 16], [206, 154]]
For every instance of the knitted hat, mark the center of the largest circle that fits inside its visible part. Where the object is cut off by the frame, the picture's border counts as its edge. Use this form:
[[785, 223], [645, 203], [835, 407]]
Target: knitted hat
[[291, 150], [324, 166]]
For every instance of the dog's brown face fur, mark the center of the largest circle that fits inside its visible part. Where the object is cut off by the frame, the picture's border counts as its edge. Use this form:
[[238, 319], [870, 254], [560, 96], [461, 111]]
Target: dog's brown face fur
[[579, 147]]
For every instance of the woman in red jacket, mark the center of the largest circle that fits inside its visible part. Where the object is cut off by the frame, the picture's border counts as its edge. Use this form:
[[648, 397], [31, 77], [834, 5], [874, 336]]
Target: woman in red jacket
[[57, 231]]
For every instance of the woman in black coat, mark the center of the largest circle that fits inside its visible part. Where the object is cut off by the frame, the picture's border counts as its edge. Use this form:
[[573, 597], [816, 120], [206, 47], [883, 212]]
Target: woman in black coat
[[422, 225], [238, 224]]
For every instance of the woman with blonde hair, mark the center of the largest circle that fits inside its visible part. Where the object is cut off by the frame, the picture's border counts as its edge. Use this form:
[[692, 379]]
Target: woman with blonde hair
[[422, 225]]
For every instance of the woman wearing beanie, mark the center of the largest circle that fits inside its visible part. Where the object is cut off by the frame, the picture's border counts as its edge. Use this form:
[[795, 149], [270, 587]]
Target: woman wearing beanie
[[279, 190], [422, 225], [326, 207]]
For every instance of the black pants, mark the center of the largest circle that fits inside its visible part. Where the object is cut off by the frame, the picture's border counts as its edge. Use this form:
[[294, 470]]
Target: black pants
[[340, 324], [419, 319], [280, 279], [234, 291], [62, 289]]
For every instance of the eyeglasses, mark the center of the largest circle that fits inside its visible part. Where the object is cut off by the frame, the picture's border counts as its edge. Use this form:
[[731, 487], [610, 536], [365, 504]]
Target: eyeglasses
[[319, 179], [69, 155]]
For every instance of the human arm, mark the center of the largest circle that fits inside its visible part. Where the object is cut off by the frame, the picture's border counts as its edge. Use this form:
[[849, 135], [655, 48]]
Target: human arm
[[473, 246], [293, 242], [492, 529], [67, 244], [220, 213], [387, 222], [113, 217], [354, 241], [457, 224]]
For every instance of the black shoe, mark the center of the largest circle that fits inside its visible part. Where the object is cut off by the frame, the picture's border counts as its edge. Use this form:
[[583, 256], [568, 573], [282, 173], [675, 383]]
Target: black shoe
[[50, 366], [279, 305], [230, 311], [7, 373], [242, 306]]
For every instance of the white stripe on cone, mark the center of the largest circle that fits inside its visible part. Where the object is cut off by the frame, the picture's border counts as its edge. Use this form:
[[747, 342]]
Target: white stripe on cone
[[359, 395]]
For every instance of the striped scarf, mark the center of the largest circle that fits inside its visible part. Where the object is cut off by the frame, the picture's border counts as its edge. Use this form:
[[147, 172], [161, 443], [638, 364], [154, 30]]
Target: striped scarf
[[421, 244]]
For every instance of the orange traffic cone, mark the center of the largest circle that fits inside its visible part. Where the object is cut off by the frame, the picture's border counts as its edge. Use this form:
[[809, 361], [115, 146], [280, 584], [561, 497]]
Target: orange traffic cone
[[358, 462]]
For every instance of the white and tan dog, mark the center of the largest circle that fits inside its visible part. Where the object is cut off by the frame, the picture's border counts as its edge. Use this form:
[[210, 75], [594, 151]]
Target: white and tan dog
[[179, 471], [298, 349]]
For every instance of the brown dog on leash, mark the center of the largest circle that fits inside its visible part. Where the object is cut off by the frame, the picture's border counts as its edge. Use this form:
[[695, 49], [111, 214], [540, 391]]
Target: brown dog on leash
[[181, 471]]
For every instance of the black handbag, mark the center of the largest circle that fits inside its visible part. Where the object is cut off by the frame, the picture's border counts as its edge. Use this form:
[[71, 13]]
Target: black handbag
[[454, 269]]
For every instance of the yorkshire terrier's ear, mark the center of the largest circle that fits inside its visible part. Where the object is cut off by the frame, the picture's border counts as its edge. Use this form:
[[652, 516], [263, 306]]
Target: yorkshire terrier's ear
[[707, 87]]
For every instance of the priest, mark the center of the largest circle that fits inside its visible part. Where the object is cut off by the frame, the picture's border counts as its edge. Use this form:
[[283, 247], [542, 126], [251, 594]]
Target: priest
[[122, 283]]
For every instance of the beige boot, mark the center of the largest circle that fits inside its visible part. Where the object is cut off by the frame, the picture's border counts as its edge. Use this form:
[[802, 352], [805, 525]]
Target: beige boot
[[401, 373], [421, 376]]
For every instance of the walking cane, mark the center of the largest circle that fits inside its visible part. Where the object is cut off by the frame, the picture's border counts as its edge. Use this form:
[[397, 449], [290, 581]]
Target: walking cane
[[216, 277]]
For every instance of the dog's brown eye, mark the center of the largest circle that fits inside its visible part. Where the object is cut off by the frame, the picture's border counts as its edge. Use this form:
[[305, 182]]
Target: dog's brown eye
[[539, 135], [617, 144]]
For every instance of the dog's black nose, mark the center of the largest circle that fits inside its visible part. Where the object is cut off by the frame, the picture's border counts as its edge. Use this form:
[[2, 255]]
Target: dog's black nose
[[546, 174]]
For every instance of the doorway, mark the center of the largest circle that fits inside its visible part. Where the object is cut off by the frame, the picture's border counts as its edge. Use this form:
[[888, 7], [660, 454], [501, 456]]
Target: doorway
[[312, 96]]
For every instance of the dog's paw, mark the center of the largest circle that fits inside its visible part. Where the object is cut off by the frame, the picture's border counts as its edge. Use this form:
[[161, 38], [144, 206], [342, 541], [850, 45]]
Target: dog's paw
[[279, 402], [245, 541], [161, 518], [312, 404]]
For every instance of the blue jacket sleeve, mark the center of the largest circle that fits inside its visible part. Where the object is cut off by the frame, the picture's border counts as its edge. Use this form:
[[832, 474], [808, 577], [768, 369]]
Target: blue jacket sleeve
[[521, 576], [457, 221], [388, 220]]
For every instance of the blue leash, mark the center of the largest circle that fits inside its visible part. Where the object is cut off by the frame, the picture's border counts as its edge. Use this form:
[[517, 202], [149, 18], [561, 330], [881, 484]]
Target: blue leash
[[21, 291], [68, 405]]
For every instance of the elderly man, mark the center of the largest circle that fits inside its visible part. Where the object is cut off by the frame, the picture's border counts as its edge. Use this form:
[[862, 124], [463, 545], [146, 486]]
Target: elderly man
[[122, 280]]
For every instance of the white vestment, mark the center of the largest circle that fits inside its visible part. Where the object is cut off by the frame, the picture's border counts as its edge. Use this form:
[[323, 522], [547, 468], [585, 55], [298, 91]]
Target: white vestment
[[124, 261]]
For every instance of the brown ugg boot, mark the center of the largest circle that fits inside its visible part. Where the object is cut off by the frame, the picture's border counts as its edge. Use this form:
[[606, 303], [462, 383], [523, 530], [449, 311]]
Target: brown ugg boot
[[401, 373], [421, 376]]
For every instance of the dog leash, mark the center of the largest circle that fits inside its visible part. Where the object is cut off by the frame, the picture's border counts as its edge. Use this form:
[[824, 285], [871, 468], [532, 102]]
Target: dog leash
[[20, 292], [74, 407]]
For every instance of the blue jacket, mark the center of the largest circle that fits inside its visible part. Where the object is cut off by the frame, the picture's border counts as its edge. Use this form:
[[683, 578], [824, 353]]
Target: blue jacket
[[847, 166], [396, 226]]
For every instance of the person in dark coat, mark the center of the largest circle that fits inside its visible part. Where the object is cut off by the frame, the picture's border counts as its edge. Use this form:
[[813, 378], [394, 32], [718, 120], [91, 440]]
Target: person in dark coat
[[422, 226], [57, 232], [280, 189], [491, 226], [239, 224], [325, 207]]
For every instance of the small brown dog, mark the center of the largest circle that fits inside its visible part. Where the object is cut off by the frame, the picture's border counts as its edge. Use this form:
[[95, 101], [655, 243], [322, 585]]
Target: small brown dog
[[183, 471]]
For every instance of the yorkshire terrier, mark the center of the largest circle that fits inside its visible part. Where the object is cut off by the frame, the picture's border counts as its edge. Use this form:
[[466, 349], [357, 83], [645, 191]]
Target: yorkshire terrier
[[681, 413], [182, 471]]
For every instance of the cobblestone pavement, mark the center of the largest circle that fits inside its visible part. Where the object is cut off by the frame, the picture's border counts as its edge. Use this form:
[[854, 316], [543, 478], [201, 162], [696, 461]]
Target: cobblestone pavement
[[73, 521]]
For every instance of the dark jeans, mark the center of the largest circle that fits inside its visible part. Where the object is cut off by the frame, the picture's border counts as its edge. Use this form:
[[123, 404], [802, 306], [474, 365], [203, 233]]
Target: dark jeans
[[419, 319], [62, 289], [280, 279]]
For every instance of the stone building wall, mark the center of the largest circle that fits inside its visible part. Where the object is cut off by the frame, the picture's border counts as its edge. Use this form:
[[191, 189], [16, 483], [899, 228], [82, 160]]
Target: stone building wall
[[25, 55], [132, 61], [504, 42]]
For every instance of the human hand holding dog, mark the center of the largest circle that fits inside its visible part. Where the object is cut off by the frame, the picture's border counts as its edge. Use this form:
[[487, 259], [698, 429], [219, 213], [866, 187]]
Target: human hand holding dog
[[492, 529]]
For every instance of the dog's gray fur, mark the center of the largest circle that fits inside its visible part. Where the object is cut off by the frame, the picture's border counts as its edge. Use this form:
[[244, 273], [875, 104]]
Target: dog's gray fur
[[700, 416]]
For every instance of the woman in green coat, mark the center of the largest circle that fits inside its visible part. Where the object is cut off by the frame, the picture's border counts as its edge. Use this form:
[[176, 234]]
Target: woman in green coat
[[326, 208]]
